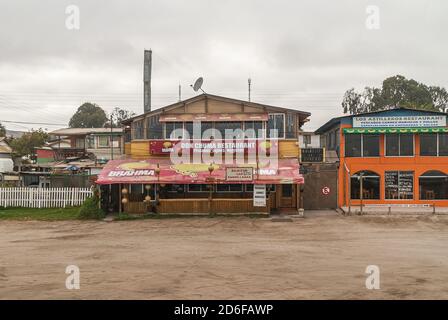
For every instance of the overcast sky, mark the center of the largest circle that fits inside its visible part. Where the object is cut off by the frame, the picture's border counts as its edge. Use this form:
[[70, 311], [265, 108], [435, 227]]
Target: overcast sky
[[299, 54]]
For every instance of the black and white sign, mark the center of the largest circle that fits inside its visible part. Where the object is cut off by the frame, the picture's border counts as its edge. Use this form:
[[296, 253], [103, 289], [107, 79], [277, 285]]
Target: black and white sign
[[399, 122], [259, 195], [312, 155]]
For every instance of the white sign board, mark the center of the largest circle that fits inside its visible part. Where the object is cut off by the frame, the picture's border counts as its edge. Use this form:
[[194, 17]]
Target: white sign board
[[259, 195], [239, 174], [399, 122]]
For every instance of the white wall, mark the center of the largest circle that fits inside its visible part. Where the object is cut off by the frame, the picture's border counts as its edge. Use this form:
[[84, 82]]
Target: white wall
[[315, 141]]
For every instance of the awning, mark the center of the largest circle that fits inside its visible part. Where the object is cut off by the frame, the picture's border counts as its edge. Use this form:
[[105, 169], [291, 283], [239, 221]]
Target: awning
[[394, 130], [213, 117], [285, 171]]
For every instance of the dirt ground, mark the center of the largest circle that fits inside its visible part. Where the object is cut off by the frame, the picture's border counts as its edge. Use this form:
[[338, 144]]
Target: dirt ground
[[323, 257]]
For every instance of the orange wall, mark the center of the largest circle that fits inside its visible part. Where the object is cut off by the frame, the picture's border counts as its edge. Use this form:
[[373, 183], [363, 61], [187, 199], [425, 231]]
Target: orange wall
[[381, 164]]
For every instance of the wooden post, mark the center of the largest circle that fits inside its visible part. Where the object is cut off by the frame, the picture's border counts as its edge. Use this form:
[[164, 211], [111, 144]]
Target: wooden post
[[298, 204], [119, 199], [361, 187]]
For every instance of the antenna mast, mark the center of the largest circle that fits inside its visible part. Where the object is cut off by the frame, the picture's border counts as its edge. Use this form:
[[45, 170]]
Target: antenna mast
[[249, 83]]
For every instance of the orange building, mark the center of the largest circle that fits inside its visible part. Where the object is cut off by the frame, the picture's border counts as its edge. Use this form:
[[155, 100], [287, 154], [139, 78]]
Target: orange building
[[393, 157]]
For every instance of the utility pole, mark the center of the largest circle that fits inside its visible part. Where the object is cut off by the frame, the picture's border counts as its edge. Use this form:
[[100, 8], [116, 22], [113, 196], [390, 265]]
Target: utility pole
[[111, 138], [180, 92], [249, 83], [147, 66]]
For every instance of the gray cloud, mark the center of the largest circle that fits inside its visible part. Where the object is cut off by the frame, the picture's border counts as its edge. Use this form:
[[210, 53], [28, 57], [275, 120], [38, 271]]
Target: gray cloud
[[299, 54]]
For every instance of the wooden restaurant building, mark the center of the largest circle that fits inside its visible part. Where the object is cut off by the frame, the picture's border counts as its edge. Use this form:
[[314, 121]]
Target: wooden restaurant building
[[180, 159], [396, 157]]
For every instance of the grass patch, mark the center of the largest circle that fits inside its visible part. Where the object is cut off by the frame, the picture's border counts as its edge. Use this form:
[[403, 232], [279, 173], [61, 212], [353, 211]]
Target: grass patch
[[48, 214]]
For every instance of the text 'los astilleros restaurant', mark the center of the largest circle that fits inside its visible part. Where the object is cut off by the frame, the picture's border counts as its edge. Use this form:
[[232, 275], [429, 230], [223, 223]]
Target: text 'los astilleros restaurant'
[[207, 155]]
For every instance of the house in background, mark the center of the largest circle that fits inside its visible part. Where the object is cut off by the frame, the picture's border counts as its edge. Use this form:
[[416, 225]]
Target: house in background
[[6, 161], [309, 140], [99, 144]]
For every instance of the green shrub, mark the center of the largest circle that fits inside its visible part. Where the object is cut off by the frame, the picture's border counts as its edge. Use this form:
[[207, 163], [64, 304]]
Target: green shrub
[[90, 209]]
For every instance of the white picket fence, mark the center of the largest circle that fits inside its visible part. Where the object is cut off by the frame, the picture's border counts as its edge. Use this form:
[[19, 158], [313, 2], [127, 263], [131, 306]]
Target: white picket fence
[[43, 197]]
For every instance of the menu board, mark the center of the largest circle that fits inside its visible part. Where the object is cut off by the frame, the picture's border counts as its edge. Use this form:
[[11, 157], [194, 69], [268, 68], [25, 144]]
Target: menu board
[[312, 154], [399, 184], [259, 195], [406, 184]]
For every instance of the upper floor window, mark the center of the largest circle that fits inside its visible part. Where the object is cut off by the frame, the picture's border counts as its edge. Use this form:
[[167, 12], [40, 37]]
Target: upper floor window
[[254, 129], [362, 145], [399, 145], [174, 130], [154, 128], [290, 132], [137, 129], [276, 125], [434, 144]]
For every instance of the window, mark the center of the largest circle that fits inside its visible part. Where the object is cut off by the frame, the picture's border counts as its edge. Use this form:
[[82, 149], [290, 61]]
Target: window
[[434, 144], [127, 135], [198, 188], [290, 125], [174, 130], [306, 140], [353, 145], [399, 145], [154, 128], [137, 129], [90, 142], [229, 187], [276, 125], [236, 130], [286, 190], [254, 129], [80, 143], [362, 145], [205, 126], [370, 145], [231, 126], [433, 185], [269, 187], [370, 185], [175, 188], [103, 141], [399, 184]]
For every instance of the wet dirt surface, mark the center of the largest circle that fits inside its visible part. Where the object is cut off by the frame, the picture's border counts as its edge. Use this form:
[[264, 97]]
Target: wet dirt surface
[[324, 257]]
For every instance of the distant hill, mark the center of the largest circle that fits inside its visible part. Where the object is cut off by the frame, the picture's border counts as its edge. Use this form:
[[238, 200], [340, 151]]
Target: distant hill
[[14, 133]]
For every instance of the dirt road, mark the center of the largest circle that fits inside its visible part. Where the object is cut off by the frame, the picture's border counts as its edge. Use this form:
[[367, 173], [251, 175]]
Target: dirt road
[[226, 258]]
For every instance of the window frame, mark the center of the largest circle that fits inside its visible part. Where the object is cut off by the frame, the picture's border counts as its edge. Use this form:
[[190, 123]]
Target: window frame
[[103, 146], [284, 125], [362, 146], [437, 146], [229, 191], [398, 185], [399, 146]]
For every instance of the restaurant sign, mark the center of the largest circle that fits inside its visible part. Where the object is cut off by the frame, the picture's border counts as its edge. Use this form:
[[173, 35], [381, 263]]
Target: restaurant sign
[[399, 121], [160, 147], [239, 174], [259, 195]]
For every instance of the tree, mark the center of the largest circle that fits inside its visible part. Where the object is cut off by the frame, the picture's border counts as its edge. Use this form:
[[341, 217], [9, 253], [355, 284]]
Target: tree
[[396, 91], [2, 130], [24, 146], [88, 115], [119, 115]]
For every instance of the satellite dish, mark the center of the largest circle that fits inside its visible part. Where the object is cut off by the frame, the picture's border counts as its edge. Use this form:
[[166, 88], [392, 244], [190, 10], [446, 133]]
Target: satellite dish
[[198, 84]]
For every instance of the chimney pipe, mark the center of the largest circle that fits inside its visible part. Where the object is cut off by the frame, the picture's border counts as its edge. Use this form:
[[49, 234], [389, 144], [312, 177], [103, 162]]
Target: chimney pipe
[[147, 66]]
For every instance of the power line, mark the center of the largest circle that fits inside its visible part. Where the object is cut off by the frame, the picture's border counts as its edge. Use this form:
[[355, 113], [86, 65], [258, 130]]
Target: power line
[[40, 123]]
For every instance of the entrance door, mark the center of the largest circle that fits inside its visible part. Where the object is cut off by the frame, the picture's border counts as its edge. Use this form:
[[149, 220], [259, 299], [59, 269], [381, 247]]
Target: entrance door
[[287, 195]]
